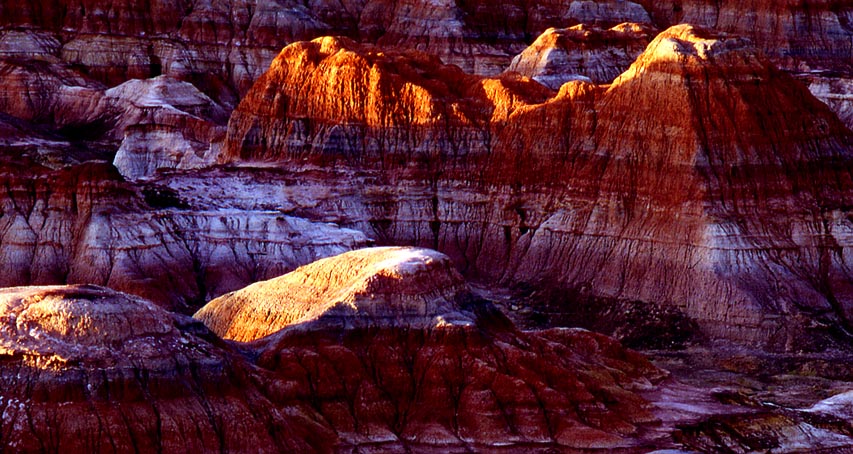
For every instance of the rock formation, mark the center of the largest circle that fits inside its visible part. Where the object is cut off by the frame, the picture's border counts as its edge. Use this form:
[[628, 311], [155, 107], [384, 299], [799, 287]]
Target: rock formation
[[87, 369], [378, 287], [155, 123], [392, 350], [354, 103], [166, 124], [219, 46], [796, 35], [223, 46], [581, 190], [84, 224], [581, 53], [837, 93]]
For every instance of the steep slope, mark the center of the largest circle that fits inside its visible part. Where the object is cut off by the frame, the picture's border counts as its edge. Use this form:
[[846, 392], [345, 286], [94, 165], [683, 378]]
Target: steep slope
[[580, 191], [393, 351], [84, 224], [87, 369], [349, 102]]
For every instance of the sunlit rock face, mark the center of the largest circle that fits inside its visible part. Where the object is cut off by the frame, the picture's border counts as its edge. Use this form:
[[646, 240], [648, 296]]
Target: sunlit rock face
[[796, 35], [378, 287], [86, 225], [394, 350], [223, 46], [87, 369], [336, 100], [582, 53], [675, 185]]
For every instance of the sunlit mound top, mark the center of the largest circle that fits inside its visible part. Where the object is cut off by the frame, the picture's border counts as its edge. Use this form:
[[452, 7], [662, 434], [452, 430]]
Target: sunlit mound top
[[72, 325], [684, 47], [386, 286]]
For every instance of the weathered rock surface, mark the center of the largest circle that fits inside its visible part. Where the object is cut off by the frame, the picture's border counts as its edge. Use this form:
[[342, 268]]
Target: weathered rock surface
[[87, 369], [390, 347], [86, 225], [582, 53], [333, 99], [153, 123], [378, 287], [752, 424], [43, 91], [223, 46], [167, 124], [219, 46], [837, 93], [581, 190], [796, 35]]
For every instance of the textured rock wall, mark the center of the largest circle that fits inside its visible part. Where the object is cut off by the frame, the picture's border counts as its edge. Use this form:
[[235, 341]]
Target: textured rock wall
[[85, 368], [677, 184], [224, 46], [391, 348], [85, 225]]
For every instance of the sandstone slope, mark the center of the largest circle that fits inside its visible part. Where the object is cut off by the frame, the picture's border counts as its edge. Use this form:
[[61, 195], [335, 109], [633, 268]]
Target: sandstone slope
[[390, 347], [580, 190]]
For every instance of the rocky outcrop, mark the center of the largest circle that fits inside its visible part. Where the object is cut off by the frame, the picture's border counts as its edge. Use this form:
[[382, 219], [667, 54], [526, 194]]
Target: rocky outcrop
[[86, 225], [167, 124], [88, 369], [581, 53], [154, 123], [796, 35], [391, 348], [221, 47], [379, 287], [580, 190], [837, 93]]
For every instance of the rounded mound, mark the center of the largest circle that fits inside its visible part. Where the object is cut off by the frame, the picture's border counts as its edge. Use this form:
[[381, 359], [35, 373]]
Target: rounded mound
[[83, 324], [83, 366], [385, 286]]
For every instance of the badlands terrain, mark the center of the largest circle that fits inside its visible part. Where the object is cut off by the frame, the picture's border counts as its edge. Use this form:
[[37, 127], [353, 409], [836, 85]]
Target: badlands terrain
[[426, 226]]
